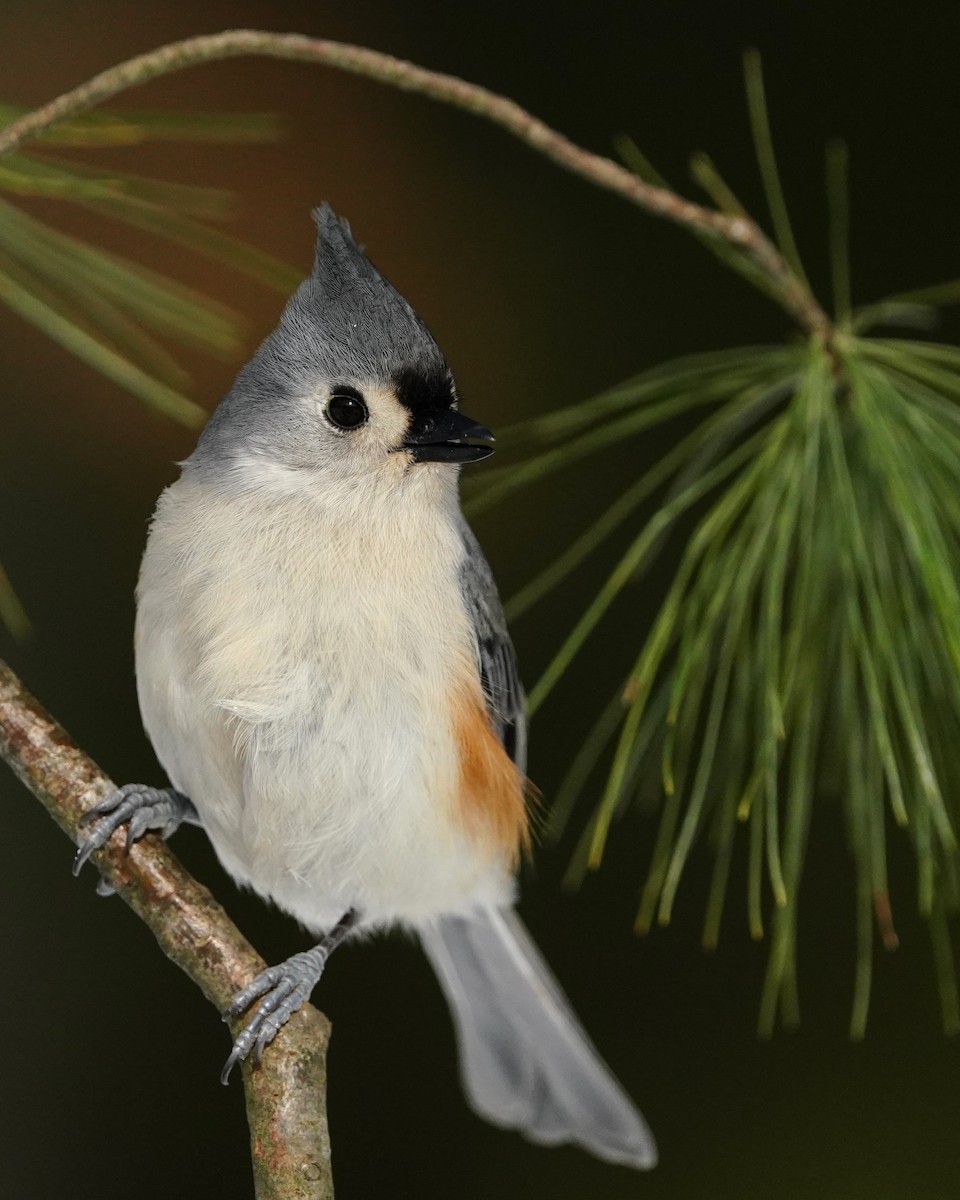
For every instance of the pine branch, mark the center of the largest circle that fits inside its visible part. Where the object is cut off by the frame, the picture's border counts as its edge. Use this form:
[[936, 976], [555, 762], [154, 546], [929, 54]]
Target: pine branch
[[286, 1095], [737, 230]]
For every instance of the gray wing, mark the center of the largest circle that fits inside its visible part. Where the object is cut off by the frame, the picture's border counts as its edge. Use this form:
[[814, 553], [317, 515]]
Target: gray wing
[[506, 702], [525, 1060]]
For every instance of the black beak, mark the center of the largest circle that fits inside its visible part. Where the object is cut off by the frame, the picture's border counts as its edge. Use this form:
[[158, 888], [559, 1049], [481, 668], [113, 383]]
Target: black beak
[[447, 439]]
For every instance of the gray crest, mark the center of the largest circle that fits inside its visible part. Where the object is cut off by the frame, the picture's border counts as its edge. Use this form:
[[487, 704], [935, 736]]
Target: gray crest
[[345, 322]]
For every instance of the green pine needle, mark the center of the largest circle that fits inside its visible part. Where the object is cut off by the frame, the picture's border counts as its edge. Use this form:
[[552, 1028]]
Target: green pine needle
[[91, 350], [62, 179], [766, 159], [704, 171], [108, 310], [838, 201], [97, 279], [99, 129], [12, 613]]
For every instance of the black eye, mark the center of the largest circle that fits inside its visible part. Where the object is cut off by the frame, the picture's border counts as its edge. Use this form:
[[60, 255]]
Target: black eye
[[347, 410]]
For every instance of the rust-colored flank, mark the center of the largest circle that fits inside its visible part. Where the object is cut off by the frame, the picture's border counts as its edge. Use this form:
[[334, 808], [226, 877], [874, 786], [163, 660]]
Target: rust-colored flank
[[491, 788]]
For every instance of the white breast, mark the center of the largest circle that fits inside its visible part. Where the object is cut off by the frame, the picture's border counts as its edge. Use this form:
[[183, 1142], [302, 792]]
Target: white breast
[[294, 669]]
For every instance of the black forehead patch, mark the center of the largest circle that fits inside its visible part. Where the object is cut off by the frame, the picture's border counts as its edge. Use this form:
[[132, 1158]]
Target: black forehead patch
[[424, 391]]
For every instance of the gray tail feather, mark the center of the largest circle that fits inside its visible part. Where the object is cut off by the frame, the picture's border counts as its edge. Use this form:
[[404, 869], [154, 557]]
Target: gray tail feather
[[526, 1061]]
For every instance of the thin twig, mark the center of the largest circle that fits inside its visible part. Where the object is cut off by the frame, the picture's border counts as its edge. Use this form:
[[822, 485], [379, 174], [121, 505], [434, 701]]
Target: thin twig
[[792, 292], [286, 1096]]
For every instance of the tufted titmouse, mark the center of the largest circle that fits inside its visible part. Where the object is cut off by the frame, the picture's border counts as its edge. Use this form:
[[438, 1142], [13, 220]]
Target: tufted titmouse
[[324, 670]]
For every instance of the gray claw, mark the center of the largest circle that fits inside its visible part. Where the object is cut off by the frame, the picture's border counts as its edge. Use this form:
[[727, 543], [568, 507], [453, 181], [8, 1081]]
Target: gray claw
[[235, 1057]]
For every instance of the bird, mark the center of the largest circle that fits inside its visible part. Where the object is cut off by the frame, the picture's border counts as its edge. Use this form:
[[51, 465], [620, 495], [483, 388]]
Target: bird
[[325, 673]]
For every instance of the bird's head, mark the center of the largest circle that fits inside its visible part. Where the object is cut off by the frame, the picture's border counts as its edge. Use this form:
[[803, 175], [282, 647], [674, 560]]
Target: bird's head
[[349, 383]]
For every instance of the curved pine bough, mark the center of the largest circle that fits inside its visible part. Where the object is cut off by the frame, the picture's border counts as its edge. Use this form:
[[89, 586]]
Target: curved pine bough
[[737, 230]]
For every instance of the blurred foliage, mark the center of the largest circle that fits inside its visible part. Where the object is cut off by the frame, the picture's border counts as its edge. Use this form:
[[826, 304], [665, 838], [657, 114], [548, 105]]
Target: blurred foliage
[[108, 311]]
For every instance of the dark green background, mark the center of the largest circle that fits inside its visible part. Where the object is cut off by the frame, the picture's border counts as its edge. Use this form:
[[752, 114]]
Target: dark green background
[[540, 290]]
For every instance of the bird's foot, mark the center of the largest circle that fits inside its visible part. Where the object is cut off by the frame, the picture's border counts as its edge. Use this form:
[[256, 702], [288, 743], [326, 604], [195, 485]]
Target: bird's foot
[[142, 809], [284, 989]]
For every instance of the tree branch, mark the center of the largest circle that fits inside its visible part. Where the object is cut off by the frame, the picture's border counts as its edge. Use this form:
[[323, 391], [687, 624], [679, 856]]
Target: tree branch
[[286, 1096], [739, 231]]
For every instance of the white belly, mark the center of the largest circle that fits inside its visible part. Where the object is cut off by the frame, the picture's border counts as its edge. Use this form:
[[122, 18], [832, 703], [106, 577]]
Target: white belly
[[295, 681]]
